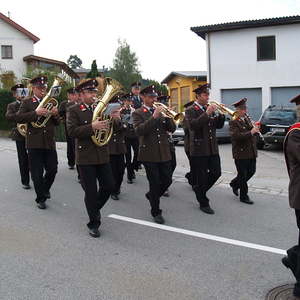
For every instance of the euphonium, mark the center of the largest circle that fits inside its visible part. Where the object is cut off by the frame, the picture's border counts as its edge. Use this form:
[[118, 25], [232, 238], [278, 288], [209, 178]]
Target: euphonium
[[113, 88], [169, 113], [49, 102], [225, 110]]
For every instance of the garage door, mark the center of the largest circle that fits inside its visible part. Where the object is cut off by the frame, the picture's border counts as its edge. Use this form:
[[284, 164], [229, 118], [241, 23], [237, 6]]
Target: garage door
[[254, 103], [282, 95]]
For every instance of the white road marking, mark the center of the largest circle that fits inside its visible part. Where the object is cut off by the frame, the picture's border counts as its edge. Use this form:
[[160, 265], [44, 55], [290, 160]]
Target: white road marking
[[200, 235]]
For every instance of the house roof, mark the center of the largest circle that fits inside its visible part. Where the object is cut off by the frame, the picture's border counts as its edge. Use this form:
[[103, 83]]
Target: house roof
[[200, 75], [19, 28], [202, 30], [61, 64]]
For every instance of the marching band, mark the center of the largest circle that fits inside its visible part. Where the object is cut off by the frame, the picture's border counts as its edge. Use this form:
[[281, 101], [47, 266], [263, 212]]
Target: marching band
[[119, 131]]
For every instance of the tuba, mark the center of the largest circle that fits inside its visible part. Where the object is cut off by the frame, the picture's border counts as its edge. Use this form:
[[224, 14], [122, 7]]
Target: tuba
[[169, 113], [49, 102], [113, 88], [225, 110]]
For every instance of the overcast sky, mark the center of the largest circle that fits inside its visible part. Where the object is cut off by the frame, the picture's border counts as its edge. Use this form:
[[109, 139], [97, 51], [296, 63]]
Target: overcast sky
[[158, 31]]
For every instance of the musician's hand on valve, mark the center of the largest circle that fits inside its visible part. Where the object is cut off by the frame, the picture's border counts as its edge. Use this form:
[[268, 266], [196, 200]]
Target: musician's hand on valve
[[54, 111], [98, 125], [41, 111], [211, 109], [157, 112], [254, 130]]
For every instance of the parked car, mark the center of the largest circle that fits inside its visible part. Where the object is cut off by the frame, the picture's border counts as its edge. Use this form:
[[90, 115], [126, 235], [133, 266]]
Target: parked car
[[223, 134], [274, 124], [178, 135]]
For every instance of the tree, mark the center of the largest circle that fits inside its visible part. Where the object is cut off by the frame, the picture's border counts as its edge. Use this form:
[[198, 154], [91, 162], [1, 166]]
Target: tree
[[74, 62], [125, 65], [94, 71]]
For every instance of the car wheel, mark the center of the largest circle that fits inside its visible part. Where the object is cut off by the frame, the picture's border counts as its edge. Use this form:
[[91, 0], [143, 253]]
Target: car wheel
[[176, 143]]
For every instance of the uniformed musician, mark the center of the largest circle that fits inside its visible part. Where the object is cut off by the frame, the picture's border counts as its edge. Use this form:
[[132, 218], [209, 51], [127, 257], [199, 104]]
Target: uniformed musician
[[11, 113], [137, 101], [296, 100], [164, 99], [202, 122], [154, 150], [72, 95], [292, 157], [188, 175], [40, 142], [131, 139], [92, 160], [117, 150], [243, 138]]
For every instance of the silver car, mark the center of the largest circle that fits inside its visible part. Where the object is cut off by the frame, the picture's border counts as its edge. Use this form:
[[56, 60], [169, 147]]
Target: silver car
[[223, 134]]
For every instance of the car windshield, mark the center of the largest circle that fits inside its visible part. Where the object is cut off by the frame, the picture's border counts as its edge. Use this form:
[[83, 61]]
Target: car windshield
[[284, 115]]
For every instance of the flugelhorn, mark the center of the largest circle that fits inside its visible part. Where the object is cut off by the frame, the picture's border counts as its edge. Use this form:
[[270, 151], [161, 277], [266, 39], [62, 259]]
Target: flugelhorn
[[225, 110], [169, 113]]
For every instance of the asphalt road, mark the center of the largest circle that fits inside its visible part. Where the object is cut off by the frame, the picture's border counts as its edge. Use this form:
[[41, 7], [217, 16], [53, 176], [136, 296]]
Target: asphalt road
[[49, 255]]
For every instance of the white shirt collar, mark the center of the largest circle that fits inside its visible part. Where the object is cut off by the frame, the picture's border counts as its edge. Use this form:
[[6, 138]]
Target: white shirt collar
[[38, 99]]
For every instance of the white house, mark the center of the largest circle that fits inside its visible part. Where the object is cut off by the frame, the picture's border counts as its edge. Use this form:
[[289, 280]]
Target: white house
[[16, 42], [257, 59]]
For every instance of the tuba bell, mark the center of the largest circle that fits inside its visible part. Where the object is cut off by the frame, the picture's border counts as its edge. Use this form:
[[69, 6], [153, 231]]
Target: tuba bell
[[169, 113], [22, 128], [49, 102], [112, 88]]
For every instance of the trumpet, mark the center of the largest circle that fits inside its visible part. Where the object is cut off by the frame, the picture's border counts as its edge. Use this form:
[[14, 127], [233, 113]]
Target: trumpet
[[221, 108], [169, 113]]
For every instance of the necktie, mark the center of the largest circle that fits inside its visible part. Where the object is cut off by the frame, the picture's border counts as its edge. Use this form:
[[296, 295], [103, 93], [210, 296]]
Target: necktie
[[151, 110]]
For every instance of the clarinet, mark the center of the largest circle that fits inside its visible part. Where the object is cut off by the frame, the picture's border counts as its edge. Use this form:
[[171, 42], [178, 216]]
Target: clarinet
[[252, 123]]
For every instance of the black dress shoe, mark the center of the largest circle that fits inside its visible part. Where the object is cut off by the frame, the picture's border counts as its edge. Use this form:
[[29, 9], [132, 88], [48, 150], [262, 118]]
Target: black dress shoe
[[130, 181], [41, 205], [285, 261], [47, 195], [166, 194], [207, 210], [246, 200], [26, 186], [114, 196], [159, 219], [94, 232], [234, 190], [133, 176], [147, 195], [71, 167]]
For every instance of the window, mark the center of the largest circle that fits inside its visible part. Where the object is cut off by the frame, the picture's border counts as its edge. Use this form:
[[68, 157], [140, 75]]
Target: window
[[184, 95], [266, 48], [174, 99], [6, 52]]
